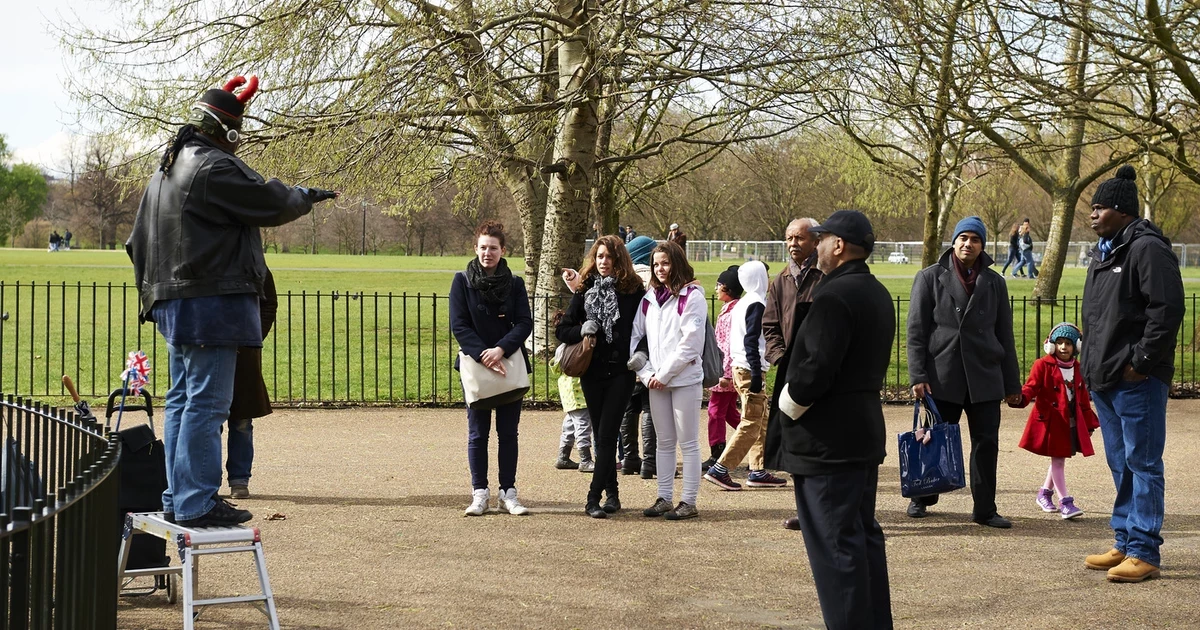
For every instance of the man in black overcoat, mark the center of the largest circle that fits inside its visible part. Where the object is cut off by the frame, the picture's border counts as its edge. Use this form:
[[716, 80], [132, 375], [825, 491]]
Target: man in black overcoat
[[833, 429]]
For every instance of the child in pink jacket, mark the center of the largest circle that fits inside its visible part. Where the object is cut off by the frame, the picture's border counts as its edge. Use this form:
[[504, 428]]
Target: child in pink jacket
[[723, 398]]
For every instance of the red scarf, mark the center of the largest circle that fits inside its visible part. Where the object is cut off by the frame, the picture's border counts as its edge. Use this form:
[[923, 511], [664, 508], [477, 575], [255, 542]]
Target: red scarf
[[968, 279]]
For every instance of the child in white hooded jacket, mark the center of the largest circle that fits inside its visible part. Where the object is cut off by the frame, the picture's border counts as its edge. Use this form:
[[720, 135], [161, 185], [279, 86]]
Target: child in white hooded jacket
[[749, 349], [672, 318]]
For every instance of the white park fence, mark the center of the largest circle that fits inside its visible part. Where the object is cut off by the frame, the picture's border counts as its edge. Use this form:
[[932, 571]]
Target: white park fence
[[901, 251]]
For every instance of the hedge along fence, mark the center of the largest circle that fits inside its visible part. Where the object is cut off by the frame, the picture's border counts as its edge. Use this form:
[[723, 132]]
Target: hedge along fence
[[346, 347]]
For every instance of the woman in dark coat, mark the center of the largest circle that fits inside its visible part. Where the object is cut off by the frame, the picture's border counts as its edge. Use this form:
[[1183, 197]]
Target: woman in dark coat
[[1014, 250], [604, 308], [250, 399], [490, 319]]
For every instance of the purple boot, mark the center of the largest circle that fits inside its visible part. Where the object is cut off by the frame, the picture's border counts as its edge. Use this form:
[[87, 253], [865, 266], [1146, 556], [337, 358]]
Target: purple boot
[[1045, 500], [1069, 510]]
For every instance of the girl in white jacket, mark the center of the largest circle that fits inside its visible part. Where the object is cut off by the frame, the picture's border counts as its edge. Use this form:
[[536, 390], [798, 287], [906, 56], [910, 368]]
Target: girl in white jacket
[[671, 317]]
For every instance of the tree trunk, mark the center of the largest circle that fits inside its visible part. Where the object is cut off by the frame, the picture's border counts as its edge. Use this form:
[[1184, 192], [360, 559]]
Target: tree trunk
[[1058, 242], [569, 195], [935, 213]]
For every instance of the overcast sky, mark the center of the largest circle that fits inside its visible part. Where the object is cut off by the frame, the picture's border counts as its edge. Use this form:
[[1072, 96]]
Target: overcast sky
[[35, 111]]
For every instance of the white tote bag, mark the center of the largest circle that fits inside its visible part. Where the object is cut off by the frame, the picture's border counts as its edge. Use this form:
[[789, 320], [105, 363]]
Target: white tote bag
[[485, 388]]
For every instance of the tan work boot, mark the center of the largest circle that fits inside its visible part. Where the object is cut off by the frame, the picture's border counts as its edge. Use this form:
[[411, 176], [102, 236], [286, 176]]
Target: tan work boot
[[1133, 570], [1104, 561]]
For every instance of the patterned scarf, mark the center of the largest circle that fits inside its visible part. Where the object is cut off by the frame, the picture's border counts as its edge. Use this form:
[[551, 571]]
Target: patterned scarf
[[600, 304], [495, 287]]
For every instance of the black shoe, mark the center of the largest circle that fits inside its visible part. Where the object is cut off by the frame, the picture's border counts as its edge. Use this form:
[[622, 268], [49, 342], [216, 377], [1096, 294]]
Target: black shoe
[[792, 523], [612, 505], [631, 467], [595, 511], [169, 517], [223, 514], [916, 510], [995, 520], [647, 470]]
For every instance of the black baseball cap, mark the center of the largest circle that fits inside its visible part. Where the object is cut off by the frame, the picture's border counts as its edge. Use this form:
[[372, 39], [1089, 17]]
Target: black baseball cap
[[851, 226]]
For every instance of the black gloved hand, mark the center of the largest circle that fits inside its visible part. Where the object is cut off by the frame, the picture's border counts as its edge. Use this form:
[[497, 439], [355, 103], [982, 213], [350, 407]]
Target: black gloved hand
[[318, 195], [756, 383]]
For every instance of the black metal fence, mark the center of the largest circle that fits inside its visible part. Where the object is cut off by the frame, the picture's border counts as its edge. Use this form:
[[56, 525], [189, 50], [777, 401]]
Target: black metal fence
[[58, 525], [364, 348]]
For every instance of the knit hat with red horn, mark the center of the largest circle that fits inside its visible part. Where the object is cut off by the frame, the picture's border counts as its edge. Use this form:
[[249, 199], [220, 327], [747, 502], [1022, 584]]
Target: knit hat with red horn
[[227, 104]]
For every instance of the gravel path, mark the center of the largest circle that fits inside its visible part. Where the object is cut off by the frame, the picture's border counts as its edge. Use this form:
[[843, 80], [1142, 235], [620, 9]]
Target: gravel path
[[374, 537]]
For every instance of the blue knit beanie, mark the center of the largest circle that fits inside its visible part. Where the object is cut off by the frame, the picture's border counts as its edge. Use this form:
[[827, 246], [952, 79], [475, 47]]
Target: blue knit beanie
[[640, 248], [970, 224], [1065, 330]]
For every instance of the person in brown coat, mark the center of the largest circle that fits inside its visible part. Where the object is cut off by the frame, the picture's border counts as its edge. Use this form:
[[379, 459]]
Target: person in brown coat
[[788, 298], [250, 399]]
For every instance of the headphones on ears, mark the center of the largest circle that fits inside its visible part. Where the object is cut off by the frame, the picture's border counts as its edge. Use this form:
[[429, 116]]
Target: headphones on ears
[[230, 134], [1049, 345]]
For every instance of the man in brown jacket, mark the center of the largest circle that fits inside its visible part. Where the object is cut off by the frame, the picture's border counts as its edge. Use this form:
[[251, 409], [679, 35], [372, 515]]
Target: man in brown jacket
[[787, 302], [793, 285]]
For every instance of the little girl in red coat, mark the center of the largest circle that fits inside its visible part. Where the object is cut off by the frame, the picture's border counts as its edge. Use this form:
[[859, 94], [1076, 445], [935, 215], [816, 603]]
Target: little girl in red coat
[[1062, 419]]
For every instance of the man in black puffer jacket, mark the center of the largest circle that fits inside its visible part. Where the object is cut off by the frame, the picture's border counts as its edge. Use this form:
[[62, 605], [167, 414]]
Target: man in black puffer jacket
[[199, 267], [1132, 309]]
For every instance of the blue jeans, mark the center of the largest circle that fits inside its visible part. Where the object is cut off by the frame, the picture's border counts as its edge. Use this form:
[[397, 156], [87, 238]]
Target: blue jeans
[[1026, 262], [239, 454], [197, 404], [479, 426], [1133, 420]]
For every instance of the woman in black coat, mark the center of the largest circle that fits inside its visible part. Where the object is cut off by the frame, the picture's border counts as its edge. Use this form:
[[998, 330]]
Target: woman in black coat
[[489, 316], [604, 308], [250, 399], [1014, 250]]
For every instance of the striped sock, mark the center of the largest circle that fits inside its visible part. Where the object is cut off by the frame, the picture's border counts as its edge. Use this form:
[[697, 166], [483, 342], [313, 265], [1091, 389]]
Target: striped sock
[[757, 474], [718, 470]]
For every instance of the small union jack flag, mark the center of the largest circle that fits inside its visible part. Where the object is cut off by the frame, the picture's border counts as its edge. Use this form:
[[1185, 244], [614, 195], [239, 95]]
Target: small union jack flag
[[137, 372]]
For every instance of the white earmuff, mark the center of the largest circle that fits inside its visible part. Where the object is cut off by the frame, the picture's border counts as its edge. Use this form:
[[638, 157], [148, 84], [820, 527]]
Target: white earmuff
[[1048, 347], [231, 134]]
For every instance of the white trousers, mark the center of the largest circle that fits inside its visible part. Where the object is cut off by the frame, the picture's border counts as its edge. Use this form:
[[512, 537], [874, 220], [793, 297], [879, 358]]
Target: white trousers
[[676, 413]]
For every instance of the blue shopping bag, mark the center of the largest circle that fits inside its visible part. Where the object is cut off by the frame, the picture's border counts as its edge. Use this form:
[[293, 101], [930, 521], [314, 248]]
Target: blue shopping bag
[[936, 467]]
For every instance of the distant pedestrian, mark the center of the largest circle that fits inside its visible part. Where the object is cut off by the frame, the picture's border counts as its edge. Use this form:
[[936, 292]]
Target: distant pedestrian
[[1025, 245], [1014, 250], [677, 236], [67, 240], [1061, 422]]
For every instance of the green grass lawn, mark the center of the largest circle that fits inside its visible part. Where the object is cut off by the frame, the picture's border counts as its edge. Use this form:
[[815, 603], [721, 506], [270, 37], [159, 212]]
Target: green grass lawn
[[350, 328]]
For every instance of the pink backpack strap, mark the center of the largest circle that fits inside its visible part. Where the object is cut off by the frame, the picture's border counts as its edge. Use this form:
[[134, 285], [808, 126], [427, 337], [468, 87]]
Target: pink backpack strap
[[683, 296]]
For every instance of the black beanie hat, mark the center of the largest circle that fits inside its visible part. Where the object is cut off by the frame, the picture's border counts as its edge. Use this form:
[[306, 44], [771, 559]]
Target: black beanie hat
[[226, 105], [1119, 193], [729, 278]]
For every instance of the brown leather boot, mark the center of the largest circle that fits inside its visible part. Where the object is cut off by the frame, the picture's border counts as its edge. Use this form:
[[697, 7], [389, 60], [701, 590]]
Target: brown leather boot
[[1104, 561], [1133, 570]]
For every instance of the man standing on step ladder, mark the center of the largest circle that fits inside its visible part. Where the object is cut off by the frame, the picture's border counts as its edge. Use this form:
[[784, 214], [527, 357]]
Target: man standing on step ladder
[[198, 263]]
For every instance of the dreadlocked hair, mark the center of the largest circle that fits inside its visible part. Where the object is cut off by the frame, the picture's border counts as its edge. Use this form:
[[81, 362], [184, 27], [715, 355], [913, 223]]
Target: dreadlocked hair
[[186, 132]]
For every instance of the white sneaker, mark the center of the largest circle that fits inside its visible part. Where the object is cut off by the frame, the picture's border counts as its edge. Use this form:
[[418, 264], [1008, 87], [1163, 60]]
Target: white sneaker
[[479, 502], [509, 501]]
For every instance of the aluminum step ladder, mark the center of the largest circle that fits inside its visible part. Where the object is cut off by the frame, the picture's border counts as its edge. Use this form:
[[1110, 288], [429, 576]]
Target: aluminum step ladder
[[193, 543]]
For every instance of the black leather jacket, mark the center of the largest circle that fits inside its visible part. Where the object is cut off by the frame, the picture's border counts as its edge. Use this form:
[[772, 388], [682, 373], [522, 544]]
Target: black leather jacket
[[197, 229]]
